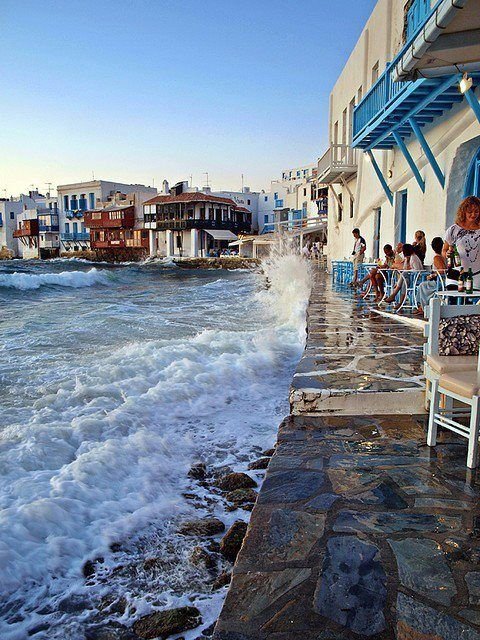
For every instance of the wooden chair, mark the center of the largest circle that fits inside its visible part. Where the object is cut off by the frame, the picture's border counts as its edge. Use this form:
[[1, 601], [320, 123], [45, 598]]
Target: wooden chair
[[435, 364], [463, 386]]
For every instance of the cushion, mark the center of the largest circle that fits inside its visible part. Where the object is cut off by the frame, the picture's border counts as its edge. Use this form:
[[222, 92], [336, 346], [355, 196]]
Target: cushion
[[463, 383], [451, 364]]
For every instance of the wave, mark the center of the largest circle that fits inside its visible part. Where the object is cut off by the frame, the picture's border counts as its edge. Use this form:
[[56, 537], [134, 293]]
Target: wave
[[73, 279]]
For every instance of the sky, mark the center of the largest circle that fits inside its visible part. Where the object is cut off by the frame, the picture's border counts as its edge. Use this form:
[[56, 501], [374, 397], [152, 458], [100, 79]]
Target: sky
[[141, 90]]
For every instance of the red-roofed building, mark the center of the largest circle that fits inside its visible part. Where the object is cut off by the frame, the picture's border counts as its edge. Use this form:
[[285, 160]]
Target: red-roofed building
[[193, 223]]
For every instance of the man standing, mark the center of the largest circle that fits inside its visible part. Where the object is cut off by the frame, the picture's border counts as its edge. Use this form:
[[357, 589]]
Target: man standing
[[358, 252]]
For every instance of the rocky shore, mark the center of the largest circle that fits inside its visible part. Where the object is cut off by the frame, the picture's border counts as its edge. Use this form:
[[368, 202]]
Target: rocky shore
[[225, 262], [208, 543]]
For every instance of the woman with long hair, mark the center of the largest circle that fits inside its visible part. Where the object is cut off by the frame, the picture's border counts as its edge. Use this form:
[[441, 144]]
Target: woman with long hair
[[465, 235], [420, 245]]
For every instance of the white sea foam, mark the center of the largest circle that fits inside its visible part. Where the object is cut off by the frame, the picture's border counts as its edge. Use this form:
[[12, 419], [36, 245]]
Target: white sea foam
[[74, 279], [103, 452]]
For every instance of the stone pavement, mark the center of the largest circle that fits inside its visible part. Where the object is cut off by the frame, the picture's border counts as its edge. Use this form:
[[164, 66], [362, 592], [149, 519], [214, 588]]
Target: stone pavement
[[360, 530], [356, 361]]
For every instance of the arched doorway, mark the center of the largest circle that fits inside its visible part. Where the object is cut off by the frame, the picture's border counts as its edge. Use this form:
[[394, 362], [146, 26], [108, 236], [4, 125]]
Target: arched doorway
[[472, 183], [461, 179]]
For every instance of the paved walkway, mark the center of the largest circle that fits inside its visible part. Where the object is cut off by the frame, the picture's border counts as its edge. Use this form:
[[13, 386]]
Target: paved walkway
[[360, 530], [356, 360]]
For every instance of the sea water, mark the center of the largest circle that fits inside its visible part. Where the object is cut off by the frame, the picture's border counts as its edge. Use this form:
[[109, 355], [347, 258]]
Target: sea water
[[114, 380]]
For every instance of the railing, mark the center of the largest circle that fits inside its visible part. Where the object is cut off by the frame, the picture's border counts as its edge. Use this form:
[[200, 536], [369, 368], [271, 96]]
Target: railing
[[385, 90], [52, 228], [337, 157], [181, 225], [303, 224], [74, 214], [417, 13], [72, 237]]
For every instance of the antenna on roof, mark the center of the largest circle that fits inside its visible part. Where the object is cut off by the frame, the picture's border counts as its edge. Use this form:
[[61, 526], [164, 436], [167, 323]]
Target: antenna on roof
[[49, 186], [191, 180], [242, 182]]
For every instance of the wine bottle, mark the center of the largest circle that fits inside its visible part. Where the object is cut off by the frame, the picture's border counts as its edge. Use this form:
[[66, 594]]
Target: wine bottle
[[469, 282]]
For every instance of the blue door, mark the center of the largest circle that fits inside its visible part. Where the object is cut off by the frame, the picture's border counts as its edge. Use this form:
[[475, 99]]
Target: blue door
[[402, 221]]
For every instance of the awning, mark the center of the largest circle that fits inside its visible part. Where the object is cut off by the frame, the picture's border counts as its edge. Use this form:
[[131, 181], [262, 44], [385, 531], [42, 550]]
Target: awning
[[449, 42], [222, 235]]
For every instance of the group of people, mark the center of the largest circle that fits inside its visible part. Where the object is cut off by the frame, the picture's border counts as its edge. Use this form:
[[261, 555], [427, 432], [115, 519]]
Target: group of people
[[463, 237], [312, 250]]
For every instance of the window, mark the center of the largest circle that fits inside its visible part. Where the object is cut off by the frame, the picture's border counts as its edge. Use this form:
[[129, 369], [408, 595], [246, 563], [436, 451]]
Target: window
[[344, 127], [266, 198], [67, 227], [265, 219], [97, 215], [91, 200], [75, 227], [298, 174], [248, 202], [351, 207], [275, 196], [375, 72], [83, 227], [65, 203], [359, 94], [73, 203], [12, 215], [340, 207], [304, 192], [82, 203]]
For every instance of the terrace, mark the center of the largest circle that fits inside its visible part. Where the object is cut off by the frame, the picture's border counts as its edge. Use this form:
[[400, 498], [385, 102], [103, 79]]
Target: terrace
[[360, 529]]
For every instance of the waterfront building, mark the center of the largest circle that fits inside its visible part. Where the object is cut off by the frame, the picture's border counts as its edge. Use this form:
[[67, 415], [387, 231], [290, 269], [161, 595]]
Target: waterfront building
[[245, 199], [404, 126], [188, 223], [10, 208], [296, 196], [76, 198], [116, 227]]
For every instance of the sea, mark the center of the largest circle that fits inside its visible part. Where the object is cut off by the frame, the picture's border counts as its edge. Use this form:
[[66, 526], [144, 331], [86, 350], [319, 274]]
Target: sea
[[114, 381]]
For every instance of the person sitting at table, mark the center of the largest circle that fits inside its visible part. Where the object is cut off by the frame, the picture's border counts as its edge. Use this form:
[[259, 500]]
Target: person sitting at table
[[420, 245], [375, 277], [411, 262], [398, 261], [427, 289]]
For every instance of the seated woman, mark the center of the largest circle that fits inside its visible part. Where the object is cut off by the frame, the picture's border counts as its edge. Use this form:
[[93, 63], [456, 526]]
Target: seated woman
[[374, 276], [427, 289], [411, 262]]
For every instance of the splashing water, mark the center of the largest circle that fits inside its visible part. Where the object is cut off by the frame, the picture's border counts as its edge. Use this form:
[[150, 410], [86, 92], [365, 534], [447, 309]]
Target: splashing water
[[109, 392]]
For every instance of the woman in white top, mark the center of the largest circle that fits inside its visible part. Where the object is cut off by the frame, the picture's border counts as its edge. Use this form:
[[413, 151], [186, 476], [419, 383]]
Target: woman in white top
[[465, 235], [411, 262]]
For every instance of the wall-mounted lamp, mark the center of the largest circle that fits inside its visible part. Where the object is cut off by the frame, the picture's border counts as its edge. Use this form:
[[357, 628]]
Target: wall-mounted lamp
[[465, 83], [389, 173]]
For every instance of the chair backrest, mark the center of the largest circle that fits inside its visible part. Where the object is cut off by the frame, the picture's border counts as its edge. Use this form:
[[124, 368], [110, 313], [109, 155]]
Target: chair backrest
[[436, 313]]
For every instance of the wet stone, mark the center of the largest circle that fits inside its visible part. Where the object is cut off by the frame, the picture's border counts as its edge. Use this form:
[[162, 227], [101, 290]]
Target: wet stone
[[322, 502], [351, 589], [355, 522], [383, 495], [291, 487], [417, 621], [422, 567], [473, 584]]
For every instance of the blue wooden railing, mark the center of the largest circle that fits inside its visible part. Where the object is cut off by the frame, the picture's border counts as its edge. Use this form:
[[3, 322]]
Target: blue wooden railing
[[385, 90], [71, 237]]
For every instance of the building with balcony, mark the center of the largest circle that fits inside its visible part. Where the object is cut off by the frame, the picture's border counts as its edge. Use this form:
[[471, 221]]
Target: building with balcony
[[295, 196], [115, 228], [410, 123], [77, 198], [37, 234], [193, 223]]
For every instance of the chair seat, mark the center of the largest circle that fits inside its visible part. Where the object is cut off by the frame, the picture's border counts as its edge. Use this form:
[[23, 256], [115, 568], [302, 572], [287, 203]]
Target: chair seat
[[452, 364], [462, 383]]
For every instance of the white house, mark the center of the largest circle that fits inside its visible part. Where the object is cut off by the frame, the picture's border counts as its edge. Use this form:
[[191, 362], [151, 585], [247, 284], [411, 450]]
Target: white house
[[76, 198], [404, 126]]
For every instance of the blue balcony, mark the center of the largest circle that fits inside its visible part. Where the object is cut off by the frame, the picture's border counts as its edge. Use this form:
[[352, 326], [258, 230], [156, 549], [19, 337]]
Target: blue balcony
[[75, 237], [278, 204], [49, 228], [387, 110], [77, 213]]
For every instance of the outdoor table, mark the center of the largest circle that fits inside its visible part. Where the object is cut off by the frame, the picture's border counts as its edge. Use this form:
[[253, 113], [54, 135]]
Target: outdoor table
[[462, 296]]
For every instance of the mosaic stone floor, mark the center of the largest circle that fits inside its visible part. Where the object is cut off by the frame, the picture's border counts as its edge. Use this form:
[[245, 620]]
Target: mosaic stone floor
[[351, 350], [360, 530]]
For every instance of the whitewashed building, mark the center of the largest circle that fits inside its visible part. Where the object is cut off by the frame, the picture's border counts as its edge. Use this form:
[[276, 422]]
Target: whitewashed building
[[189, 223], [76, 198], [404, 125]]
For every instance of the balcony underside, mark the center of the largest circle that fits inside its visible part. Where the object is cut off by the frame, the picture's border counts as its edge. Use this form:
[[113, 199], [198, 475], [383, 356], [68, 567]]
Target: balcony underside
[[337, 174], [424, 100]]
